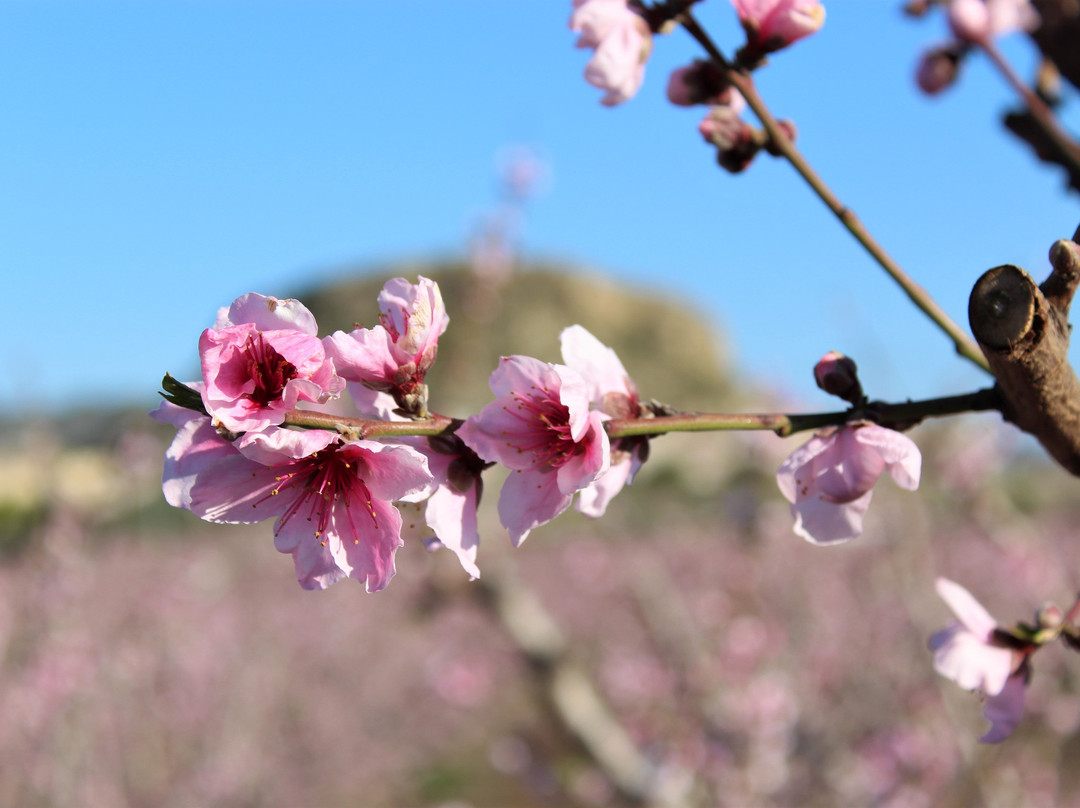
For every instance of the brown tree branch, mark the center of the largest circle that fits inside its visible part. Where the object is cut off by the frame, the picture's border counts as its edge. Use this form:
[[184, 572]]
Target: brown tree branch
[[1057, 35], [742, 81], [1023, 331]]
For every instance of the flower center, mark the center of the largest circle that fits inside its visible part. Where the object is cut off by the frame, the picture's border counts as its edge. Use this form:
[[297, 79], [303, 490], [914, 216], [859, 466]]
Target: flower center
[[268, 369], [545, 428], [325, 489]]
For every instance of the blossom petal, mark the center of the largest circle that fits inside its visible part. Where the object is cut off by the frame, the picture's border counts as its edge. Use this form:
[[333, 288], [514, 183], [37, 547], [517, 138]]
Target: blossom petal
[[392, 471], [371, 403], [593, 500], [969, 611], [486, 433], [582, 469], [967, 660], [363, 355], [598, 364], [270, 313], [452, 515], [788, 476], [416, 312], [196, 447], [372, 558], [901, 455], [618, 64], [848, 469], [529, 499], [275, 445], [235, 490], [317, 565], [518, 374], [822, 522], [1004, 710]]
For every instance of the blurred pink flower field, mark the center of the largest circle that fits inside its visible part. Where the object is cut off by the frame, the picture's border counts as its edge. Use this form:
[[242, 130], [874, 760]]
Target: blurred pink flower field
[[151, 659]]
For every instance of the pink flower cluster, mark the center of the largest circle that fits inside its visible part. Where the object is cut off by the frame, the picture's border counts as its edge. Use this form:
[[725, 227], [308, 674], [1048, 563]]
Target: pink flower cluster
[[621, 39], [335, 495], [333, 492], [972, 22], [621, 43]]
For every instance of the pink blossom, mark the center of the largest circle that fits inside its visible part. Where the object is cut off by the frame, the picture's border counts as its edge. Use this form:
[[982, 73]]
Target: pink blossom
[[622, 42], [450, 512], [828, 480], [615, 395], [257, 370], [968, 652], [979, 20], [332, 498], [540, 427], [395, 355], [774, 24]]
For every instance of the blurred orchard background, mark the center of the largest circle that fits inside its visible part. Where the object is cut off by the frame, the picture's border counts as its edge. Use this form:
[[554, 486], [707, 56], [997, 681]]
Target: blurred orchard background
[[159, 158]]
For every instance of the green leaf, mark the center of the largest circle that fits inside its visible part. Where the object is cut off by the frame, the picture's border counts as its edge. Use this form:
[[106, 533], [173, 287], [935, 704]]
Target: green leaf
[[181, 395]]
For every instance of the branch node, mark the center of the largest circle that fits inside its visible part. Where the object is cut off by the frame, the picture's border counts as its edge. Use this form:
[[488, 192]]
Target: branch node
[[1024, 335], [1060, 287]]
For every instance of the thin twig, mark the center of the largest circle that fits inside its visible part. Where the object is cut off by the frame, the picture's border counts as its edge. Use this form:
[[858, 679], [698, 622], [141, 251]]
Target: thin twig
[[1040, 112], [434, 424], [898, 416], [744, 83]]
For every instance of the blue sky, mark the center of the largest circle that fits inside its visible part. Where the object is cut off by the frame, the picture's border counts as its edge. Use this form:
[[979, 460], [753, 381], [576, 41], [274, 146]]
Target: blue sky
[[160, 157]]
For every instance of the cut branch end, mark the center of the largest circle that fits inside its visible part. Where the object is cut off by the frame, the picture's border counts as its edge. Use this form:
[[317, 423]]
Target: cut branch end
[[1023, 332]]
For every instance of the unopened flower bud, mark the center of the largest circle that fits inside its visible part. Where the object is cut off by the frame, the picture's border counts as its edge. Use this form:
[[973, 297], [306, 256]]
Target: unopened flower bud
[[837, 375], [724, 128], [938, 69], [698, 83], [1049, 616]]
